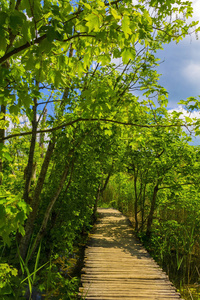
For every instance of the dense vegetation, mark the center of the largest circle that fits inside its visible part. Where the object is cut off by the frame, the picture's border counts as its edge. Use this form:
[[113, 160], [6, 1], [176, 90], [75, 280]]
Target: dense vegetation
[[73, 131]]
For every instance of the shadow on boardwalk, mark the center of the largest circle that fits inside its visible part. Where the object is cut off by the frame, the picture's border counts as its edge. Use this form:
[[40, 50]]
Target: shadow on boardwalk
[[113, 230], [116, 266]]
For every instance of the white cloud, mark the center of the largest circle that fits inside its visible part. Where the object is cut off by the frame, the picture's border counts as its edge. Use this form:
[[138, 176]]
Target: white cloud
[[185, 113], [192, 72], [196, 7], [22, 121], [25, 124]]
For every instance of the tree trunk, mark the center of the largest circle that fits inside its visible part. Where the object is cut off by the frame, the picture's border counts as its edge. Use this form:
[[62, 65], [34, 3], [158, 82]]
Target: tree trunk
[[136, 201], [142, 207], [2, 135], [99, 193], [152, 209], [35, 202], [94, 214], [5, 65], [29, 169], [41, 142], [50, 206]]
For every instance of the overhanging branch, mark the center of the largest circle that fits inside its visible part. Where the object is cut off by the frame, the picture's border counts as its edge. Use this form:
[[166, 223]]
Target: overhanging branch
[[177, 185], [37, 41], [92, 120]]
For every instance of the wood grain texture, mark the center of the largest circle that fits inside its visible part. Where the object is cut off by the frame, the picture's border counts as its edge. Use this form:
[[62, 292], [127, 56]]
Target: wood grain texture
[[116, 266]]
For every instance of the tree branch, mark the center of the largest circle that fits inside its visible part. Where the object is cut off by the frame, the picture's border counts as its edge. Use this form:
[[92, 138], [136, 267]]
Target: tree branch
[[175, 186], [113, 2], [91, 120], [37, 41], [18, 4], [23, 47]]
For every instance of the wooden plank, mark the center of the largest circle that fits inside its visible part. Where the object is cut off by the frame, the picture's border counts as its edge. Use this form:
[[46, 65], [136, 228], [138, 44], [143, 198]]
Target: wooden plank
[[133, 293], [128, 272], [125, 285], [136, 290], [100, 296]]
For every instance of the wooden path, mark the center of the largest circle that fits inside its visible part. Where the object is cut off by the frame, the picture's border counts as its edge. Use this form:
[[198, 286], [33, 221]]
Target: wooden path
[[116, 266]]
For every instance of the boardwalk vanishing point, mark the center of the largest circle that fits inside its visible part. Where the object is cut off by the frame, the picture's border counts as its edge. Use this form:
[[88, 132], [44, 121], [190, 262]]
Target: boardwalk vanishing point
[[116, 266]]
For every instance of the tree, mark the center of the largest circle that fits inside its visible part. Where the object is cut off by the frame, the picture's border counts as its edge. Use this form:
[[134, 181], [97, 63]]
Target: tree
[[53, 45], [161, 160]]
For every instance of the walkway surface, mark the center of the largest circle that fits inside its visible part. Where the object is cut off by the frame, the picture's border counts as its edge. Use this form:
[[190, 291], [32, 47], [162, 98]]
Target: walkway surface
[[116, 266]]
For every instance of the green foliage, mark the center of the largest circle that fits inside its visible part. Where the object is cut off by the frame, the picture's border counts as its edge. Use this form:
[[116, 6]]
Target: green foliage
[[30, 277], [119, 193], [56, 283], [56, 55], [13, 213], [7, 273]]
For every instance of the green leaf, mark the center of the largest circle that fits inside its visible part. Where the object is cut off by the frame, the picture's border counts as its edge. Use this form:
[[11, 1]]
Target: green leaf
[[14, 109], [188, 120], [3, 41], [20, 217], [67, 9], [128, 54], [57, 78], [16, 21], [80, 68], [26, 32], [115, 14], [53, 34], [2, 216], [3, 17], [93, 22], [108, 132], [14, 272], [68, 27], [88, 6], [7, 156], [125, 26], [45, 46], [104, 59]]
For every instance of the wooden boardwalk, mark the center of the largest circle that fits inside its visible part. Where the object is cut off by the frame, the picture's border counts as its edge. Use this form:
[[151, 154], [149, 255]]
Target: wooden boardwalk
[[116, 266]]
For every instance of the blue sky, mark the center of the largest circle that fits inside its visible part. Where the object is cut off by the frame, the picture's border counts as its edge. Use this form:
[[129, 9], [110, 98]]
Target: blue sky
[[181, 67], [181, 70]]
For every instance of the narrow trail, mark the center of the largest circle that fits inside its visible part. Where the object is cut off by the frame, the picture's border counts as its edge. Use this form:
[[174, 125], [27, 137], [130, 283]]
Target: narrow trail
[[116, 266]]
